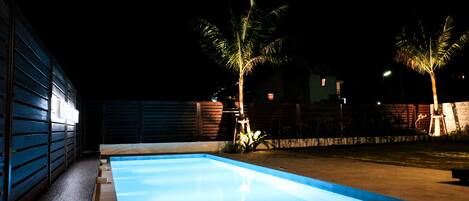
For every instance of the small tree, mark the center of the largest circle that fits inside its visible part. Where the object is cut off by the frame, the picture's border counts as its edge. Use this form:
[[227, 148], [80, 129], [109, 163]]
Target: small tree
[[250, 44], [427, 53]]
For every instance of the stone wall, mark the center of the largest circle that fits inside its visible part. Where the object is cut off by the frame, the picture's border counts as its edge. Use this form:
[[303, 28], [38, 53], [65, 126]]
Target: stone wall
[[217, 146]]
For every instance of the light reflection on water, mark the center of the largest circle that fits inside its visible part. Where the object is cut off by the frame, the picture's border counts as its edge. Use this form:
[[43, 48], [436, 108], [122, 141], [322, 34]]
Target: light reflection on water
[[204, 179]]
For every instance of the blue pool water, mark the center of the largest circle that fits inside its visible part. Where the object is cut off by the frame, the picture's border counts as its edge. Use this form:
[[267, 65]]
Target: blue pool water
[[204, 177]]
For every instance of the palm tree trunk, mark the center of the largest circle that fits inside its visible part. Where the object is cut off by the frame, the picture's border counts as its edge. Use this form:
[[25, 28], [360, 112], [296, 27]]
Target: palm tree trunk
[[241, 95], [242, 119], [436, 111]]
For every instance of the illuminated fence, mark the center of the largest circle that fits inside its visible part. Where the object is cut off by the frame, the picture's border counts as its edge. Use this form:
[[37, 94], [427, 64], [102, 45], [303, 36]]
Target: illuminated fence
[[172, 121], [292, 120], [38, 133]]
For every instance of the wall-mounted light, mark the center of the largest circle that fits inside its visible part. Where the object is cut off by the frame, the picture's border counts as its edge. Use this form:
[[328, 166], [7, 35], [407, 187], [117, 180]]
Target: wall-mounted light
[[61, 111]]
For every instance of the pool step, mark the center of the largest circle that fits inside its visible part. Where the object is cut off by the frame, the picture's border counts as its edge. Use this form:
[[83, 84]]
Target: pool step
[[104, 188]]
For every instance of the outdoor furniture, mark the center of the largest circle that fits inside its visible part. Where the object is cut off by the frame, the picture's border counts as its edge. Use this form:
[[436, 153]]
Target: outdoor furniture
[[461, 173]]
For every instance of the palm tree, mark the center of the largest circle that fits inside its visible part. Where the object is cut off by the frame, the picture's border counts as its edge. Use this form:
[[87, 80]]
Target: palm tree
[[428, 53], [250, 44]]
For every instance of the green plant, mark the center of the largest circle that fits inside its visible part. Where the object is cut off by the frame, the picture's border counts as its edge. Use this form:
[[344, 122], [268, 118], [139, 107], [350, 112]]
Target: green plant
[[249, 141], [427, 53], [251, 42]]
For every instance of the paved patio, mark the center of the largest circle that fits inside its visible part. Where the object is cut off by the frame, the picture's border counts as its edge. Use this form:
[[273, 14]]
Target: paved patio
[[409, 183], [76, 183]]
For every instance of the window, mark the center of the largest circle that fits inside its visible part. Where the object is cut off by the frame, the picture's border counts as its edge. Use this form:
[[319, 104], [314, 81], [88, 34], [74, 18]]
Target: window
[[270, 96], [338, 86], [323, 82]]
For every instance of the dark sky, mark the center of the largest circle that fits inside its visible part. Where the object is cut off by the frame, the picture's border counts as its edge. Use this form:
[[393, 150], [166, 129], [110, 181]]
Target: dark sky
[[148, 49]]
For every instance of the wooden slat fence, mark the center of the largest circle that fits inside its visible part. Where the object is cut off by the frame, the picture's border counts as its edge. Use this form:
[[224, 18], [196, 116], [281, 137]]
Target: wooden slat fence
[[34, 149], [172, 121]]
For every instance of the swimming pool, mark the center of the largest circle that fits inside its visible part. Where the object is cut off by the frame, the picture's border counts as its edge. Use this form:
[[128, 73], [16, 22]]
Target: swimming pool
[[205, 177]]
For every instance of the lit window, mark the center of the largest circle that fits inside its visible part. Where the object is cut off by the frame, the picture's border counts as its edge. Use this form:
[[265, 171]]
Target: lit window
[[337, 87], [323, 82], [270, 96]]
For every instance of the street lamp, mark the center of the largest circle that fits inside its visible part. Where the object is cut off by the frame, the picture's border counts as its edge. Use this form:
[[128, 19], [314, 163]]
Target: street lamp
[[387, 73]]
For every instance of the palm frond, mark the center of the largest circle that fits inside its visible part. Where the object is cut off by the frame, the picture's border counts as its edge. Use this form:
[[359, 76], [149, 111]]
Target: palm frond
[[256, 61], [426, 54], [444, 38], [278, 12], [412, 56], [274, 47], [251, 43], [213, 42], [453, 49]]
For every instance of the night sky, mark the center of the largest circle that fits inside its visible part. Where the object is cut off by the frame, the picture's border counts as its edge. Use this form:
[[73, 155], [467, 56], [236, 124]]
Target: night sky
[[149, 50]]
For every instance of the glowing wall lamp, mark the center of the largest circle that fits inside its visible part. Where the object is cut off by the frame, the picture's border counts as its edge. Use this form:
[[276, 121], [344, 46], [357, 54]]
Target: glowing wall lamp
[[61, 111]]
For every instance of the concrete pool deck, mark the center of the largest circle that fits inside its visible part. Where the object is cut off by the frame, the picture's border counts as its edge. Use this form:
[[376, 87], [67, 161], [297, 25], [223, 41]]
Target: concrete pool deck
[[408, 183]]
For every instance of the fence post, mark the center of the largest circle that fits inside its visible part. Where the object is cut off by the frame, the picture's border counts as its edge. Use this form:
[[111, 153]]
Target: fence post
[[198, 121], [140, 122], [9, 76], [299, 120], [103, 122], [49, 118]]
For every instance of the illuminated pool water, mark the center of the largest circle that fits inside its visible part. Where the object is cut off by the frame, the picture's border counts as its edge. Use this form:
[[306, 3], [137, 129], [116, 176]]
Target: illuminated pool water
[[204, 177]]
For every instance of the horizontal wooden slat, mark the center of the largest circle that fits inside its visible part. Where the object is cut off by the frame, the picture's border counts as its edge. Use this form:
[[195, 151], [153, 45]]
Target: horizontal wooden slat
[[23, 79], [57, 145], [26, 36], [29, 126], [31, 71], [27, 170], [30, 98], [58, 162], [25, 141], [28, 184], [28, 112], [26, 155], [57, 154]]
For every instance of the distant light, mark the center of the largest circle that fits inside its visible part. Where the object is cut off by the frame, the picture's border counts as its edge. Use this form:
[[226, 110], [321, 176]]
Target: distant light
[[378, 102], [344, 101], [463, 77], [387, 73], [270, 96]]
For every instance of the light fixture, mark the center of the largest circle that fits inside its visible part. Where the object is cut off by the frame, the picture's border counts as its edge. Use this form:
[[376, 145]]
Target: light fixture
[[61, 111], [387, 73]]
